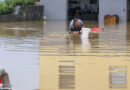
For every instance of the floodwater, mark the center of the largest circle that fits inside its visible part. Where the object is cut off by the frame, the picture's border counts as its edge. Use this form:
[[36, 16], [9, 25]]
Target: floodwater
[[42, 56], [19, 52]]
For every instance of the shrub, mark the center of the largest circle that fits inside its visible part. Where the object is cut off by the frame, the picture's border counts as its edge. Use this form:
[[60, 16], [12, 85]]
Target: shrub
[[19, 2], [7, 2], [9, 5], [3, 8], [29, 2]]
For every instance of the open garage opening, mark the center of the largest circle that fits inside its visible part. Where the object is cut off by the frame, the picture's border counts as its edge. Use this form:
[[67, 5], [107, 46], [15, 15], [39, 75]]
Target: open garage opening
[[83, 9]]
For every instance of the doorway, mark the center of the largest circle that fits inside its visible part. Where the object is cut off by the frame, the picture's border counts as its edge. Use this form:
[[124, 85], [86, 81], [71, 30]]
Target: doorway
[[83, 9], [128, 10]]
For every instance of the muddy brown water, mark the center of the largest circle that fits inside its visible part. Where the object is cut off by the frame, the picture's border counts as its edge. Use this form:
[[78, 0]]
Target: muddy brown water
[[43, 56]]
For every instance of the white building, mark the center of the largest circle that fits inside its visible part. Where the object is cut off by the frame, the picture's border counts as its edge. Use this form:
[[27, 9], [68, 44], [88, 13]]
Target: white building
[[58, 9]]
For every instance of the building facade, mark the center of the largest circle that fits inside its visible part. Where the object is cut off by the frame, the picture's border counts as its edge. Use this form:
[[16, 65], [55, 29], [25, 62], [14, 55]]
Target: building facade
[[55, 9], [58, 9]]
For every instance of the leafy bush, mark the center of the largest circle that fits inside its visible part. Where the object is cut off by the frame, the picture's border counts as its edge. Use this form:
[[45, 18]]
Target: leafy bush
[[19, 2], [7, 2], [25, 2], [9, 5], [3, 8], [29, 2]]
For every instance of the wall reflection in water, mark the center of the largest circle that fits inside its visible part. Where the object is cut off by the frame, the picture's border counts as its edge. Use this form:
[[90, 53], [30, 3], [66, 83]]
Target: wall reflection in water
[[118, 77], [66, 64], [66, 75]]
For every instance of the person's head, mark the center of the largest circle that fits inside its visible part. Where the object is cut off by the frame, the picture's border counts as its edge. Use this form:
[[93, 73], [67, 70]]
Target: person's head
[[76, 22]]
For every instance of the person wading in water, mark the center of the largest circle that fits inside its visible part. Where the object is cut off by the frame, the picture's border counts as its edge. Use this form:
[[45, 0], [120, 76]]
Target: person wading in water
[[75, 26]]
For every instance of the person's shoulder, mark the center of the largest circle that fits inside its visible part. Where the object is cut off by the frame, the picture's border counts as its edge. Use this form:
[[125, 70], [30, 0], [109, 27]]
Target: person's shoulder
[[72, 20], [80, 20]]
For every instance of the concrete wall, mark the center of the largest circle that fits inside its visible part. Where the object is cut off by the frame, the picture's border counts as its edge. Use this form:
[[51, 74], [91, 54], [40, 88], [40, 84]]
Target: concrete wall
[[118, 7], [30, 12], [24, 13], [55, 9]]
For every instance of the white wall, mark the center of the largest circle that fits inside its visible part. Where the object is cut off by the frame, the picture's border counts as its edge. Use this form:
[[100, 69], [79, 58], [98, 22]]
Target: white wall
[[55, 9], [118, 7]]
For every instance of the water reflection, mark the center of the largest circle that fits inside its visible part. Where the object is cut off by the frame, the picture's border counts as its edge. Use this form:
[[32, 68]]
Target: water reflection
[[19, 50], [118, 77], [66, 75], [4, 80], [66, 63], [113, 36], [43, 56]]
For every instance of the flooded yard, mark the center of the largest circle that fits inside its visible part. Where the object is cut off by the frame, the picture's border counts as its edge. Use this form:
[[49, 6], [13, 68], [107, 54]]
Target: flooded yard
[[19, 52], [42, 56]]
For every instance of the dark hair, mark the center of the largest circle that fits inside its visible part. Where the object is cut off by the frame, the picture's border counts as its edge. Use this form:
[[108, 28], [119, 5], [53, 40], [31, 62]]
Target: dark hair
[[75, 20]]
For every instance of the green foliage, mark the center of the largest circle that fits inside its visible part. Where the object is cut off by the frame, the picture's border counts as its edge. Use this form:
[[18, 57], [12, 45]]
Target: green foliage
[[9, 5], [13, 2], [19, 2], [3, 8], [29, 2], [43, 19], [7, 2], [25, 2]]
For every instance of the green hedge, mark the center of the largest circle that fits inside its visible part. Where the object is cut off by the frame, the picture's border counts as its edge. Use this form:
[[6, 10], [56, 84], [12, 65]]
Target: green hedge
[[19, 2], [4, 8], [29, 2], [9, 5], [25, 2]]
